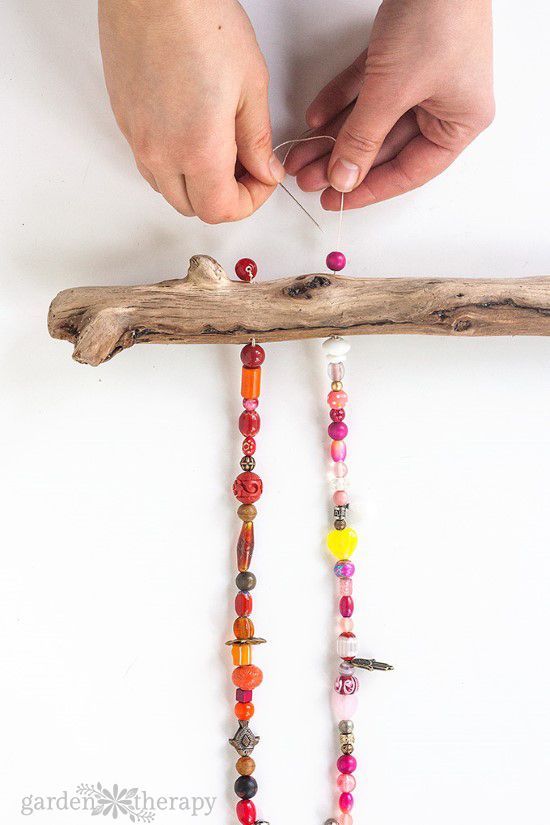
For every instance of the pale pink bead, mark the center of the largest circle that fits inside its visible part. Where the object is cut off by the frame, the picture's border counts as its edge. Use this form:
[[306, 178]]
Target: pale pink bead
[[250, 404], [346, 782], [336, 371], [344, 707], [346, 625], [346, 587], [340, 498], [338, 450], [345, 819], [337, 398], [340, 469]]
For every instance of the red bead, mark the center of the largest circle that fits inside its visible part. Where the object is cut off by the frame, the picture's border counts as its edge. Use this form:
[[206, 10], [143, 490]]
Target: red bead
[[248, 487], [249, 422], [245, 545], [346, 607], [246, 812], [243, 604], [246, 269], [252, 355], [338, 414], [249, 446], [336, 261]]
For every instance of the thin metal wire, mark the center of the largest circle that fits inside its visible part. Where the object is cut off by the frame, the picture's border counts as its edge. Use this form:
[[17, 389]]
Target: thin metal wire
[[291, 144]]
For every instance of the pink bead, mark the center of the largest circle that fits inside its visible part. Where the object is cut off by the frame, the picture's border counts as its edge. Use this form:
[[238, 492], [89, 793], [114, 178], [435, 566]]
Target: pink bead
[[346, 606], [345, 819], [340, 498], [338, 450], [250, 404], [337, 398], [336, 371], [346, 783], [344, 707], [337, 430], [346, 684], [346, 802], [336, 261], [346, 587], [346, 625], [347, 763], [340, 469]]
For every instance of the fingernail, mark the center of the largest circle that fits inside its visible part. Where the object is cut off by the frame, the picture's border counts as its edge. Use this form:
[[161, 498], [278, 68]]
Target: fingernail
[[344, 175], [277, 169]]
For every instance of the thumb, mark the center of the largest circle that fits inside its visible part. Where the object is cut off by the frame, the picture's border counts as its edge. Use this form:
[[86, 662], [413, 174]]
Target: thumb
[[254, 140], [377, 110]]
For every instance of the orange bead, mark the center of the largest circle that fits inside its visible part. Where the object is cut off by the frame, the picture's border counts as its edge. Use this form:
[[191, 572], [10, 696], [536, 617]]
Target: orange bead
[[244, 711], [242, 654], [243, 628], [247, 677], [251, 381]]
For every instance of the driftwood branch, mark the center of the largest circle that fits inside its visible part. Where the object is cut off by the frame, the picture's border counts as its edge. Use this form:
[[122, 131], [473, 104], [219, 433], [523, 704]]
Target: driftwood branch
[[208, 307]]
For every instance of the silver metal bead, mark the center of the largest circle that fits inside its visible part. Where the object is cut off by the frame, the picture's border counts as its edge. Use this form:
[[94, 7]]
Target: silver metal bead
[[346, 726], [341, 512]]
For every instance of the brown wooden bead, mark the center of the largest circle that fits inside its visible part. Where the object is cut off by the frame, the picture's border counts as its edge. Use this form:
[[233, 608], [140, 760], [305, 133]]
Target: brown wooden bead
[[246, 766], [247, 512]]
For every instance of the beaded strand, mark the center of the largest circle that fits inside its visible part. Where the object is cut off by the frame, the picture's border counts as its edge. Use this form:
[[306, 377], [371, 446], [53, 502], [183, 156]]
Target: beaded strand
[[247, 488]]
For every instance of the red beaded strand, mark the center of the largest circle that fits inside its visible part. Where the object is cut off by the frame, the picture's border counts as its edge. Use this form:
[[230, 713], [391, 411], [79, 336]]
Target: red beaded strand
[[247, 489]]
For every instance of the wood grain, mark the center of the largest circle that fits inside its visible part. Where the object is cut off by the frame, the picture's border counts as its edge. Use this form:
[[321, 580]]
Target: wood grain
[[208, 307]]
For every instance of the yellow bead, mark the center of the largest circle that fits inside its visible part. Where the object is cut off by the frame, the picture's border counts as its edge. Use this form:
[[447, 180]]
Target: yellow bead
[[342, 543], [242, 655]]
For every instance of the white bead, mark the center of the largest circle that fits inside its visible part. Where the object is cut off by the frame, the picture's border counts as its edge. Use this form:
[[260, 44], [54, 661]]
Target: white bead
[[346, 647], [336, 349]]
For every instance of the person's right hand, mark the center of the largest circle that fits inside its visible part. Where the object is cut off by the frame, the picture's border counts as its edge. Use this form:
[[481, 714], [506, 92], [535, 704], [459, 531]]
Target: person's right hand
[[188, 86]]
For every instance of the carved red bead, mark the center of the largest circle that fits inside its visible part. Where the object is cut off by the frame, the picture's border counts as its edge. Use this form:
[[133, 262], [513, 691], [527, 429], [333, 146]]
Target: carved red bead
[[248, 487], [249, 446], [246, 269]]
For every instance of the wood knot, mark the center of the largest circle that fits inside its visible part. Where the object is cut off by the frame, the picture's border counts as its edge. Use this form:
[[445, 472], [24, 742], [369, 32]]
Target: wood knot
[[462, 325], [303, 288]]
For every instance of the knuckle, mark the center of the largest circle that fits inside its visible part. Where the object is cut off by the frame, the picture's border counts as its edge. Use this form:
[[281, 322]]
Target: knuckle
[[402, 180], [213, 215], [148, 150], [259, 140], [359, 142]]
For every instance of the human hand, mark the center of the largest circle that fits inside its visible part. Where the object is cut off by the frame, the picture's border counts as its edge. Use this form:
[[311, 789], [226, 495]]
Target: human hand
[[188, 86], [406, 108]]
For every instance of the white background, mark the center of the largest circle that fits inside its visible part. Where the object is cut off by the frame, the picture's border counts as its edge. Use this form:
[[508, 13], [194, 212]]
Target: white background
[[118, 524]]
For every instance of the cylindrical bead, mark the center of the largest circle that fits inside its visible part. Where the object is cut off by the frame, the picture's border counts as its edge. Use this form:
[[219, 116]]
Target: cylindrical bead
[[346, 646], [242, 655], [251, 382], [346, 607], [336, 371]]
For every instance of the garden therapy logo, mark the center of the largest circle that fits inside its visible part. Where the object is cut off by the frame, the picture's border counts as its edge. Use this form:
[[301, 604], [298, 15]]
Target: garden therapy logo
[[115, 802]]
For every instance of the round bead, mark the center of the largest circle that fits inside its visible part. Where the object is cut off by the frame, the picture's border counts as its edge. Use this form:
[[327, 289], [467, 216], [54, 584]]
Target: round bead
[[243, 628], [246, 787], [244, 710], [243, 604], [248, 487], [346, 801], [336, 371], [346, 607], [247, 677], [346, 782], [340, 498], [340, 524], [246, 581], [249, 446], [336, 348], [338, 450], [346, 684], [342, 543], [346, 726], [347, 764], [336, 261], [249, 422], [344, 667], [344, 569], [246, 269], [246, 812], [346, 587], [337, 414], [245, 765], [336, 386], [252, 355], [250, 403], [340, 469], [247, 512], [346, 625], [331, 821], [337, 398], [247, 463], [337, 430], [346, 646]]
